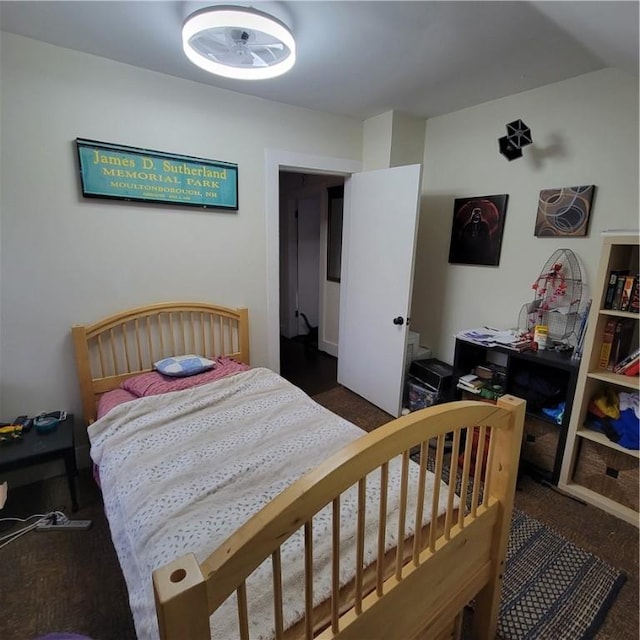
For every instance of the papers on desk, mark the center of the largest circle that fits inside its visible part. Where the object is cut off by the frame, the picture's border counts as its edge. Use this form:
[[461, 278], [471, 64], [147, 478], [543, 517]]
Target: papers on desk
[[488, 337]]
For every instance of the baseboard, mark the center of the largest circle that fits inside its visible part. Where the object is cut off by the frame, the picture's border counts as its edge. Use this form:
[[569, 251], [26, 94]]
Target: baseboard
[[328, 347]]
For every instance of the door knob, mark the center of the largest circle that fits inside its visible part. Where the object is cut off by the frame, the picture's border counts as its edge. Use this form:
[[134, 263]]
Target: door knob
[[398, 320]]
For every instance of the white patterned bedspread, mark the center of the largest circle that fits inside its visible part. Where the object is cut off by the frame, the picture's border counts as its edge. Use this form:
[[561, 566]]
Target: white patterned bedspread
[[182, 471]]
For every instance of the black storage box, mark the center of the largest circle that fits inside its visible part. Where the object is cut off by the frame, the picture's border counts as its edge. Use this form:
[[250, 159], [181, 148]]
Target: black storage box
[[436, 374]]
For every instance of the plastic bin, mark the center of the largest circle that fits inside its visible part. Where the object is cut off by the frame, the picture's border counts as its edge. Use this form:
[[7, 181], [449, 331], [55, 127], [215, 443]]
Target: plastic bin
[[420, 395]]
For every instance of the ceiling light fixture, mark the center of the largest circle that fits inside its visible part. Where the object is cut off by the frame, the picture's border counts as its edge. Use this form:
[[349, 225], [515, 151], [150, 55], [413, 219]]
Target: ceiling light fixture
[[238, 42]]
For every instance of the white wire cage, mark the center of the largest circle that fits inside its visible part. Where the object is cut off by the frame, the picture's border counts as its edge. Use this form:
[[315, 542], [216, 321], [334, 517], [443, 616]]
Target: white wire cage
[[557, 294]]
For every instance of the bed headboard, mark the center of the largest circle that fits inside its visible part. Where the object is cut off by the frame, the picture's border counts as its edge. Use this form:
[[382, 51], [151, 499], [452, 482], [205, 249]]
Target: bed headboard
[[128, 343]]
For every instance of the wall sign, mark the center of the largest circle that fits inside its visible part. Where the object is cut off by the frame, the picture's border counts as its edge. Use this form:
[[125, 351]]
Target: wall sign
[[128, 173]]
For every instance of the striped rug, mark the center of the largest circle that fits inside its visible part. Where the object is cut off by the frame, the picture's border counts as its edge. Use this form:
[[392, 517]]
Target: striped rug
[[553, 590]]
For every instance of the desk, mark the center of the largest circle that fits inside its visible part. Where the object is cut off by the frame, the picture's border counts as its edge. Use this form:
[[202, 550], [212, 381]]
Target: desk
[[544, 439], [35, 448]]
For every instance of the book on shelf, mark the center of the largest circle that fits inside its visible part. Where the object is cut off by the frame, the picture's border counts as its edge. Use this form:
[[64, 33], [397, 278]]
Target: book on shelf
[[627, 361], [611, 287], [464, 387], [607, 341], [633, 369], [623, 334], [634, 298], [470, 382], [627, 289], [617, 296]]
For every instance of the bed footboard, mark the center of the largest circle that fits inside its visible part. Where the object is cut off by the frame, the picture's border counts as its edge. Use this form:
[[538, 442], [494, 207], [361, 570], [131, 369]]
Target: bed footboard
[[458, 556]]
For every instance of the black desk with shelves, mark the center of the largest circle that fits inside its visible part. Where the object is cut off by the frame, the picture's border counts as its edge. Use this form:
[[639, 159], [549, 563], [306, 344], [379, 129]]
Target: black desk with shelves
[[544, 439]]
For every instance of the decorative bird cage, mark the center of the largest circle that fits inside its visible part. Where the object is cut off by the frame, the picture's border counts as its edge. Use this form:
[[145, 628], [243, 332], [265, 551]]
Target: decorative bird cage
[[557, 295]]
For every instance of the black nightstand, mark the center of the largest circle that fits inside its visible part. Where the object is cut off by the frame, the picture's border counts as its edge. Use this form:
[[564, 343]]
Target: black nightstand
[[35, 448]]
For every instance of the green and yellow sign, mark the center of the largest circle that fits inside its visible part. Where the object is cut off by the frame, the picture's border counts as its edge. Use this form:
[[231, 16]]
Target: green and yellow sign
[[127, 173]]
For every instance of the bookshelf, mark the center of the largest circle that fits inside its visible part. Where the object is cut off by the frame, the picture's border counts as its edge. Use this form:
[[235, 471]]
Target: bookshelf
[[596, 469]]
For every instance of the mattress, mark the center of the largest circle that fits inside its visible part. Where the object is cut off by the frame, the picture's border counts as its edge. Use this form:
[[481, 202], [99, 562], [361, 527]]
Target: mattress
[[182, 471]]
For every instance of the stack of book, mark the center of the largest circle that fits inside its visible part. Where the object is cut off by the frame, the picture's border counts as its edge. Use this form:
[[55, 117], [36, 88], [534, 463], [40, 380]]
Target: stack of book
[[471, 383], [617, 352], [623, 292], [629, 366]]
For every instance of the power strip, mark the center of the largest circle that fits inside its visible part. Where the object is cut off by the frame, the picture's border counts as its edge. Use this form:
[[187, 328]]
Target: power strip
[[67, 525]]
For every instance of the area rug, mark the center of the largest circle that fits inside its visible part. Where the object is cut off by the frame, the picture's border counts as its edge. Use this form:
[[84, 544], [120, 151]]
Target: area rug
[[552, 589]]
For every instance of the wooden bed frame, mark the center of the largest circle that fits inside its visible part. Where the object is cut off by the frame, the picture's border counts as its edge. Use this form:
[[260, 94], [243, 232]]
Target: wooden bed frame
[[431, 578], [127, 344]]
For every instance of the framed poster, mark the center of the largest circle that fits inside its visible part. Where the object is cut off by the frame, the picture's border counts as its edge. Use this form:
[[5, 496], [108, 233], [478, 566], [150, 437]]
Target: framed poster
[[564, 212], [476, 234], [129, 173]]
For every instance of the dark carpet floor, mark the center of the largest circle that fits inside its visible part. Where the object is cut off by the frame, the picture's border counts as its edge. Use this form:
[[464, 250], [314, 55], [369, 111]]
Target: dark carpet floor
[[71, 581], [58, 581]]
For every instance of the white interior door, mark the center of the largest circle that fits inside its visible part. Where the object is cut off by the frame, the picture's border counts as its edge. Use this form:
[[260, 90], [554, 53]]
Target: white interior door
[[379, 240]]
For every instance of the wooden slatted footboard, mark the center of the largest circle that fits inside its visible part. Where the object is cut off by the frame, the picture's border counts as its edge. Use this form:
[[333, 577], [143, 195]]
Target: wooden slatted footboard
[[458, 557]]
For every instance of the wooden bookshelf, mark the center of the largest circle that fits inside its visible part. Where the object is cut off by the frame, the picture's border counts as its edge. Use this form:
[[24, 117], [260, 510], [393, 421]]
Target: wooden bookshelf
[[594, 468]]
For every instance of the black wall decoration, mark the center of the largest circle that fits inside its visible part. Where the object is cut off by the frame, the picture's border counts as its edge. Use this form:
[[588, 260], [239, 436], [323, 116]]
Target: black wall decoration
[[518, 136], [478, 225]]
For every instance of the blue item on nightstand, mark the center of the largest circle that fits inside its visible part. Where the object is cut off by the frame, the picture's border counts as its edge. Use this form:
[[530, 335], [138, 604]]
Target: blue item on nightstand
[[47, 422]]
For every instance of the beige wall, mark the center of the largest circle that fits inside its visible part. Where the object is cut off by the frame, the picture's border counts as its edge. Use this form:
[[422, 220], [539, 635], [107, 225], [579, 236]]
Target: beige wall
[[67, 259], [585, 131]]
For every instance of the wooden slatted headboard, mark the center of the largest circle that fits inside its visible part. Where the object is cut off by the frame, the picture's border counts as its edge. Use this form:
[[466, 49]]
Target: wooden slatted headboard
[[128, 343]]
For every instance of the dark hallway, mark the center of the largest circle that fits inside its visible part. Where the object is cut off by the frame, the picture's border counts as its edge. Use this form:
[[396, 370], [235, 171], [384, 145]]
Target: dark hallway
[[303, 365]]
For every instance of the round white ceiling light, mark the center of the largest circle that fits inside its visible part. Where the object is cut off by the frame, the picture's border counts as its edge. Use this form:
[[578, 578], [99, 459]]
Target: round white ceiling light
[[238, 42]]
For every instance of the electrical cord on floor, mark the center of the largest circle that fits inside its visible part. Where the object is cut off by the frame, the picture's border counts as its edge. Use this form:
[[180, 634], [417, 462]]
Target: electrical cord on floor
[[53, 517]]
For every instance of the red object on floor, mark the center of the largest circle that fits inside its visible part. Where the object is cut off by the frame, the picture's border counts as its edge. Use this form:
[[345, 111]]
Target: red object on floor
[[474, 453]]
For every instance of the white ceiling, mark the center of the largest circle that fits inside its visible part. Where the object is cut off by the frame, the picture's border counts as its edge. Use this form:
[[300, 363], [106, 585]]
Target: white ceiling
[[362, 58]]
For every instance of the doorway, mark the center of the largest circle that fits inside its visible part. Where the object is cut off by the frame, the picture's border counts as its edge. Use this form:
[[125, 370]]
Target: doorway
[[309, 295], [369, 198], [277, 161]]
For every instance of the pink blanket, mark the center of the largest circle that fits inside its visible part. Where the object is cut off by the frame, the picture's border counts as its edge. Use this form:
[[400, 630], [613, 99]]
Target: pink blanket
[[154, 383]]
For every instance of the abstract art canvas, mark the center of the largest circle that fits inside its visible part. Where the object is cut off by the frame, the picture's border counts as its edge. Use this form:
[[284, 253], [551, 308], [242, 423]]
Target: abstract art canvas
[[478, 224], [564, 212]]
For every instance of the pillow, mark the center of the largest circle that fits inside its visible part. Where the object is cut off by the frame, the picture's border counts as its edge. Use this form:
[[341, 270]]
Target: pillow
[[183, 366], [112, 399], [154, 383]]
